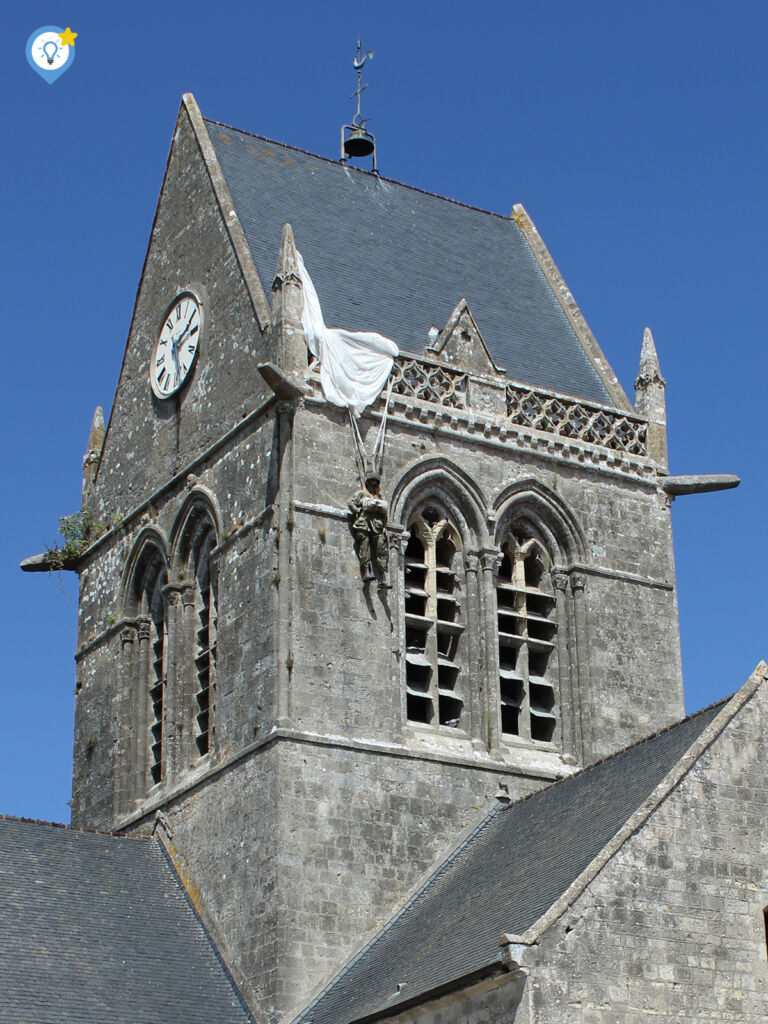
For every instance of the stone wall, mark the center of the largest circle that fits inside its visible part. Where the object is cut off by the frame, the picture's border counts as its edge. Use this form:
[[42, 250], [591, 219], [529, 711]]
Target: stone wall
[[620, 603], [148, 439], [672, 928], [319, 804], [235, 482]]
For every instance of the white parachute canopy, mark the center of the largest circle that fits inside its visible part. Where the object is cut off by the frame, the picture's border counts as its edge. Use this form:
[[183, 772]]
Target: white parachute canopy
[[354, 365]]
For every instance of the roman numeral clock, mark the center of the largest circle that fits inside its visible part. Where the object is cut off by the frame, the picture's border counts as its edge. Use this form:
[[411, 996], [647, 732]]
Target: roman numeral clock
[[174, 352]]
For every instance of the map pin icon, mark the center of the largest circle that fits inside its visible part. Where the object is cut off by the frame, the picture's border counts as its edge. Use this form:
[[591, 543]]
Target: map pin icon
[[47, 55]]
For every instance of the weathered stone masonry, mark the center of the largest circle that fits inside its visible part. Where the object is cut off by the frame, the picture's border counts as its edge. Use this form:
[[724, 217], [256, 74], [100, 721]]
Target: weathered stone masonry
[[317, 803]]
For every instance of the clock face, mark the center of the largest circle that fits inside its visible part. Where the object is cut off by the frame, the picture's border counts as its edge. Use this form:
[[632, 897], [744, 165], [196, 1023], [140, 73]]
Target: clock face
[[176, 347]]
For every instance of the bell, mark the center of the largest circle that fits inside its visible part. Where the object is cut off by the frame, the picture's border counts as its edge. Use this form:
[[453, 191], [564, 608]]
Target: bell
[[359, 143]]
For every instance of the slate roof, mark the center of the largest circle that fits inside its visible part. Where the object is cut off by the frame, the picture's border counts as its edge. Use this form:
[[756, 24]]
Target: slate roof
[[509, 872], [391, 258], [96, 929]]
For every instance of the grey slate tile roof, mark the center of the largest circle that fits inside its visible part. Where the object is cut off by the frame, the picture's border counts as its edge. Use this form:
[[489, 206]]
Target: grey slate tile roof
[[95, 929], [390, 258], [509, 872]]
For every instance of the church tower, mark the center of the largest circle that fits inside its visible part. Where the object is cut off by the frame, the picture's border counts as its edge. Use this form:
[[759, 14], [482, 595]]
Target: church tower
[[307, 743]]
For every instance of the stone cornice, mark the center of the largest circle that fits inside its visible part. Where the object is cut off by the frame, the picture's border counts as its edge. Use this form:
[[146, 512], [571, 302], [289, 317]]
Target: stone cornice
[[496, 432], [194, 780]]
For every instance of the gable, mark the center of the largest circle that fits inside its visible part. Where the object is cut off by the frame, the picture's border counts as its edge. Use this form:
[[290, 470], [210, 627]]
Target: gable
[[461, 343], [389, 258], [192, 248], [674, 912]]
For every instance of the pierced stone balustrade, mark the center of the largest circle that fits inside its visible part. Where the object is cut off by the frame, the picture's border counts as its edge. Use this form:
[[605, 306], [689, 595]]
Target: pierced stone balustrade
[[574, 418], [429, 382]]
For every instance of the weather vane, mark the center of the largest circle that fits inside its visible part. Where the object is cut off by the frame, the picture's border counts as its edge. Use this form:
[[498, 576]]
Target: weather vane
[[356, 141]]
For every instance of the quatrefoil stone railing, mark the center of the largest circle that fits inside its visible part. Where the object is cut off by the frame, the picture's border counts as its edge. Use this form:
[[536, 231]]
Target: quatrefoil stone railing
[[429, 382], [527, 407], [572, 418]]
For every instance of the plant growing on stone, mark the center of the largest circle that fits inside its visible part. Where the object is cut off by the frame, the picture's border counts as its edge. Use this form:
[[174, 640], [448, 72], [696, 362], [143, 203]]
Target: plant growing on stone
[[78, 532]]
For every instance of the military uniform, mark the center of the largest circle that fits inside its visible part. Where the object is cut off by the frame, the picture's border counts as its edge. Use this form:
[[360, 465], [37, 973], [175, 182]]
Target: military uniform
[[369, 520]]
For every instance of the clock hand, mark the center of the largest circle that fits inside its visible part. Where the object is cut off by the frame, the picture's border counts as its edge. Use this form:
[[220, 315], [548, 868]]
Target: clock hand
[[189, 324], [175, 355]]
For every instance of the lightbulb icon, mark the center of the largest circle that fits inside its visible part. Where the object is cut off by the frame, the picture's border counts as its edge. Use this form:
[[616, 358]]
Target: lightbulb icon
[[50, 49]]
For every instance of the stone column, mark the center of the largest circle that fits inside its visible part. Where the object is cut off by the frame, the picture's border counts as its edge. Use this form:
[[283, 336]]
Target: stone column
[[491, 560], [171, 718], [124, 779], [179, 675], [582, 689], [472, 683], [141, 698], [397, 539], [398, 544], [568, 702]]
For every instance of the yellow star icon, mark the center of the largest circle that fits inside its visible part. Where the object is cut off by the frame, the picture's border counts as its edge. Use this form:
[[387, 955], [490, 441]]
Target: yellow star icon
[[67, 37]]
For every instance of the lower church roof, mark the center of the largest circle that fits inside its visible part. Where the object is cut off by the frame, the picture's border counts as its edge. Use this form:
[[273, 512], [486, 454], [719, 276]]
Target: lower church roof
[[508, 873], [97, 929]]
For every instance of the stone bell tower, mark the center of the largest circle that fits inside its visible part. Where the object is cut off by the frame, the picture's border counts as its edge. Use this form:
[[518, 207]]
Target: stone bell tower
[[305, 743]]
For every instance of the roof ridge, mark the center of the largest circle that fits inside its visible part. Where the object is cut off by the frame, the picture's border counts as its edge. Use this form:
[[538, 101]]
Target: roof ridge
[[71, 828], [623, 750], [216, 953], [359, 170]]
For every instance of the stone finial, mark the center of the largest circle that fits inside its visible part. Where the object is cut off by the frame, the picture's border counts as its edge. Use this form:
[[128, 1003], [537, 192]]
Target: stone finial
[[650, 401], [92, 455], [287, 264], [287, 334], [649, 371]]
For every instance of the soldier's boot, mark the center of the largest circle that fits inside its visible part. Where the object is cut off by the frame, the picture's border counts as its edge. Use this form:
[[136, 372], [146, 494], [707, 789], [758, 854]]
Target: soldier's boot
[[367, 572], [384, 581]]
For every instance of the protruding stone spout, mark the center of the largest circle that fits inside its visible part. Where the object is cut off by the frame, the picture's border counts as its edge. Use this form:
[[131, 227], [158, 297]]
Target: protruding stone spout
[[699, 484]]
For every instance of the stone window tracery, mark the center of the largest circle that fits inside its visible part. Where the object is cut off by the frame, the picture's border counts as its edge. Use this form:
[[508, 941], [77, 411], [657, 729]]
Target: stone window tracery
[[527, 637], [149, 594], [205, 636], [434, 621]]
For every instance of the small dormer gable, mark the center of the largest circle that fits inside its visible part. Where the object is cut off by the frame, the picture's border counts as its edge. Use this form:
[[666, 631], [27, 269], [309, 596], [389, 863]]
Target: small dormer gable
[[461, 344]]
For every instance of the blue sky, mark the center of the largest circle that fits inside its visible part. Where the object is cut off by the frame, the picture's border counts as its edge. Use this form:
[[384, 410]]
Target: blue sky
[[634, 134]]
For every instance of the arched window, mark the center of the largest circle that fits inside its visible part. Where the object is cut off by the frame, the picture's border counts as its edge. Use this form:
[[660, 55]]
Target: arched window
[[196, 644], [157, 674], [434, 623], [527, 639], [205, 636], [147, 598]]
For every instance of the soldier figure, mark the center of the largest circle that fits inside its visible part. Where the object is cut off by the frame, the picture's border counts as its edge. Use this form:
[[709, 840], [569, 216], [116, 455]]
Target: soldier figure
[[369, 519]]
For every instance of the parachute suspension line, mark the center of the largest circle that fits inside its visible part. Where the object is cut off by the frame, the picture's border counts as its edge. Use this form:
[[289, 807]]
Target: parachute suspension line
[[359, 447], [378, 448], [364, 463]]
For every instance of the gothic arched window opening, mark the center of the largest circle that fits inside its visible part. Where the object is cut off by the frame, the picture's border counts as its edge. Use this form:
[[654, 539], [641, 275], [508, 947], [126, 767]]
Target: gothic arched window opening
[[205, 636], [196, 633], [147, 603], [433, 621], [527, 640], [157, 674]]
